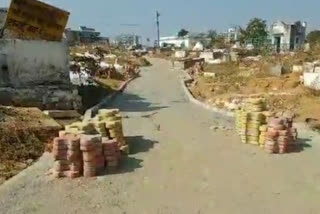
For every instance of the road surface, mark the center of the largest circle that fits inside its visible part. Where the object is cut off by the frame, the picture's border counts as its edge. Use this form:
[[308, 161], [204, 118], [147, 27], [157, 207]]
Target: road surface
[[178, 165]]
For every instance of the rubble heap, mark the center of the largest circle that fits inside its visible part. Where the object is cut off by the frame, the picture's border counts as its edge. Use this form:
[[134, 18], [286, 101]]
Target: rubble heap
[[256, 126], [89, 147]]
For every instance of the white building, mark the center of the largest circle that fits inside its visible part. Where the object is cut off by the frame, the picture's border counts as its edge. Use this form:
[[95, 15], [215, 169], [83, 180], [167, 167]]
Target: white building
[[288, 37], [175, 41], [233, 34]]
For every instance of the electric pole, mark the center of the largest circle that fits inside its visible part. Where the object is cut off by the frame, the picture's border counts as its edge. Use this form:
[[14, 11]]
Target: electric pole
[[158, 28]]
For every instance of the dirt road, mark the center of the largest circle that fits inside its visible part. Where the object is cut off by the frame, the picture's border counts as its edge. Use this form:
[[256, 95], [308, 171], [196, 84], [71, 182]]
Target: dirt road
[[179, 165]]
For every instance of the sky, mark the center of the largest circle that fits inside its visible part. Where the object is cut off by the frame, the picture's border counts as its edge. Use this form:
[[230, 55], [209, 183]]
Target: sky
[[109, 16]]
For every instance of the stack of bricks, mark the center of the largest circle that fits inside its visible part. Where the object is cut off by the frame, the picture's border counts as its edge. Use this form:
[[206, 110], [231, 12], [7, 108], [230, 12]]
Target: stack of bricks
[[281, 136], [74, 157], [263, 135], [87, 155], [111, 153], [113, 125], [257, 126], [249, 119], [107, 123], [241, 124], [67, 157]]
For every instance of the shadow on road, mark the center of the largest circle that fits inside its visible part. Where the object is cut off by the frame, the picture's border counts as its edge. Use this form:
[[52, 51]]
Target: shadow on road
[[302, 145], [138, 144], [134, 103], [128, 164]]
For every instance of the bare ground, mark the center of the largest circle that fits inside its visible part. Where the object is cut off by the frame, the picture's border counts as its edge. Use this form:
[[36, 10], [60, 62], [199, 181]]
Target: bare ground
[[178, 165]]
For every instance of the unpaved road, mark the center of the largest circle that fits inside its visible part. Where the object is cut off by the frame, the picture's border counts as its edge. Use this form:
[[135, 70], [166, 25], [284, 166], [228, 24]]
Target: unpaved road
[[179, 165]]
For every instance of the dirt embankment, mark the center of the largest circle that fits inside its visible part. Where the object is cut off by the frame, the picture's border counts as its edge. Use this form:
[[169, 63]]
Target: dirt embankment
[[284, 93], [24, 133]]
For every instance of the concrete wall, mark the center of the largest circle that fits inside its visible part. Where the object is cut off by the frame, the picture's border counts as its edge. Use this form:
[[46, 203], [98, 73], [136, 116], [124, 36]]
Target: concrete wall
[[50, 98], [29, 63]]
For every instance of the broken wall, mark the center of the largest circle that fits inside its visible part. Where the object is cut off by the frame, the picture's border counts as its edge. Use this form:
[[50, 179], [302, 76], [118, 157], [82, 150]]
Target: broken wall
[[30, 63]]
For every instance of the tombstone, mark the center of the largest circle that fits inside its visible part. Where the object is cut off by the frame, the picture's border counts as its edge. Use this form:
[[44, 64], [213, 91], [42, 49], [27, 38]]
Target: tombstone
[[276, 70]]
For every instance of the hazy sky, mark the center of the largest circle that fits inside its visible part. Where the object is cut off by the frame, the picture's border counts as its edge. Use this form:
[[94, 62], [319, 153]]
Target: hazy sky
[[200, 15]]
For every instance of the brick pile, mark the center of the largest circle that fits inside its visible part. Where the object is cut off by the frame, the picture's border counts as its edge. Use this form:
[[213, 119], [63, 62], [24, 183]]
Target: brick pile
[[249, 119], [107, 123], [90, 148], [87, 155], [281, 136], [256, 126]]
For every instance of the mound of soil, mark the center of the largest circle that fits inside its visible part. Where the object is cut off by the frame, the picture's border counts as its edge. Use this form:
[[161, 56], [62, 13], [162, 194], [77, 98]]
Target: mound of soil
[[283, 93], [24, 134]]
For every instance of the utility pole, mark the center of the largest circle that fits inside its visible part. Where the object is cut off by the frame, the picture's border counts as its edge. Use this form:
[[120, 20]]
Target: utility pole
[[158, 28]]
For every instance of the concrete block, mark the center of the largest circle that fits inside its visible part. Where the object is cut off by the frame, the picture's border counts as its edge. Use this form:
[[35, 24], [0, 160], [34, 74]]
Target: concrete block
[[297, 68], [180, 54], [276, 70], [312, 80], [207, 56], [209, 74]]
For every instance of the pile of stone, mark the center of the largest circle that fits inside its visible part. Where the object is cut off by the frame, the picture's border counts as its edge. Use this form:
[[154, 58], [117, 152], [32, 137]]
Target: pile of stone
[[256, 126], [281, 136]]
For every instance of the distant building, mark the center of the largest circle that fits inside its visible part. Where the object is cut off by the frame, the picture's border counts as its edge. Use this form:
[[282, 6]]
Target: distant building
[[84, 35], [88, 34], [233, 34], [187, 42], [129, 40], [288, 37], [175, 41]]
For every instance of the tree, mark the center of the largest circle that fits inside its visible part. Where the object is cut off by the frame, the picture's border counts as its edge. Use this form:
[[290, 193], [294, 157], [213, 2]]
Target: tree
[[256, 31], [183, 32], [314, 38], [212, 34], [218, 42]]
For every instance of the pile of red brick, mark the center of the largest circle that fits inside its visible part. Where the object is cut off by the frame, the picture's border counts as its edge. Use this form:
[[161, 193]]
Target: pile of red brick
[[281, 136], [87, 155]]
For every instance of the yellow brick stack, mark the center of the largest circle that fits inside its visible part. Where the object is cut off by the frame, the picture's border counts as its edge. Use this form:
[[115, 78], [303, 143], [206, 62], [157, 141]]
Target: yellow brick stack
[[107, 123], [249, 119], [241, 124]]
